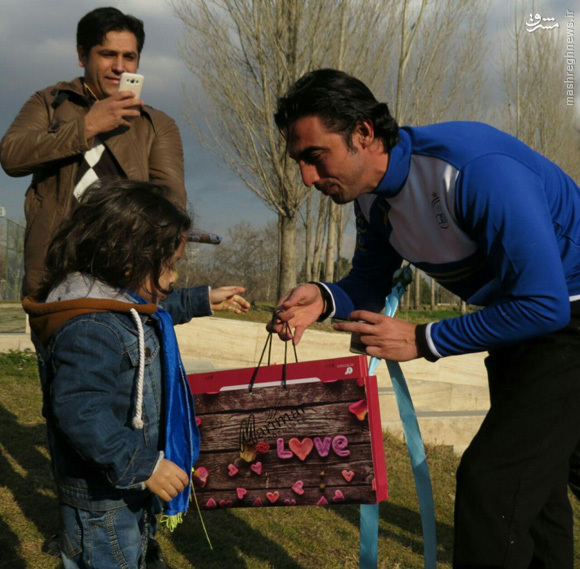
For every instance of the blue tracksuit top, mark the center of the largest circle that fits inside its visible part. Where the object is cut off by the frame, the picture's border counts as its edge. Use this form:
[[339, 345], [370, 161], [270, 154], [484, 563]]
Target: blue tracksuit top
[[489, 218]]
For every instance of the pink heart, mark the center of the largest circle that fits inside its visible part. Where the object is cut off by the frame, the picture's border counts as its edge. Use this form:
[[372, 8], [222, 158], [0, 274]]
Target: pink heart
[[241, 492], [348, 475], [301, 448], [338, 496], [211, 503], [232, 470], [273, 496], [226, 503], [322, 502], [198, 421], [298, 487], [200, 476], [258, 502], [257, 468], [290, 502]]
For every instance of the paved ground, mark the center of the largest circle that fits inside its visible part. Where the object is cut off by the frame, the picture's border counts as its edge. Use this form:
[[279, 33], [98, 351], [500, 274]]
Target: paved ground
[[450, 396]]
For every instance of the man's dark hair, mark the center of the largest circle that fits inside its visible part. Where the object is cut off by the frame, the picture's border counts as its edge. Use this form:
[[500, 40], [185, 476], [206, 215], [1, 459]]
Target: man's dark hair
[[121, 232], [341, 101], [94, 26]]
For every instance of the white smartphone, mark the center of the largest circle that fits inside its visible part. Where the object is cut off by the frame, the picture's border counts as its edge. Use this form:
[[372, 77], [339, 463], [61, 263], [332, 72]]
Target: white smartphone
[[131, 82]]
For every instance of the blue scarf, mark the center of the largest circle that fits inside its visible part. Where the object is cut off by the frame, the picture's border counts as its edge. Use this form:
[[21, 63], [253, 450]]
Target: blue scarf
[[181, 432]]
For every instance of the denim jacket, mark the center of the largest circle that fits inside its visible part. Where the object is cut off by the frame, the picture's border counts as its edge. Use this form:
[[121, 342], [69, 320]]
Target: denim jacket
[[88, 372]]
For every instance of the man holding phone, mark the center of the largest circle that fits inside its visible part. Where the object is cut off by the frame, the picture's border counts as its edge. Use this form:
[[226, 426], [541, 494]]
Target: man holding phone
[[73, 133]]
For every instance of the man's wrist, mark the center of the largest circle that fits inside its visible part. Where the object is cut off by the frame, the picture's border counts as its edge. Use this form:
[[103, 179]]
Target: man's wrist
[[327, 301], [422, 343]]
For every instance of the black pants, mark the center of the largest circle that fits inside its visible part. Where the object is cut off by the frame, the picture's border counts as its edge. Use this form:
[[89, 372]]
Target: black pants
[[512, 509]]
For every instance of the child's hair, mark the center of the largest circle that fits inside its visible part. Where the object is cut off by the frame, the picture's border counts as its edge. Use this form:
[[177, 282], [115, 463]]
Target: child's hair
[[121, 232]]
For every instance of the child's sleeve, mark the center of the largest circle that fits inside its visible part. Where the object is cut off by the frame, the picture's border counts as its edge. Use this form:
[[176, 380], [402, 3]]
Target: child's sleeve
[[187, 303], [87, 363]]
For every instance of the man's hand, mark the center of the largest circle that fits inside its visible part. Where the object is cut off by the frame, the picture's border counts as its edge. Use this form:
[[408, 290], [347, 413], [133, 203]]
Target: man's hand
[[167, 481], [227, 298], [299, 308], [385, 337], [112, 112]]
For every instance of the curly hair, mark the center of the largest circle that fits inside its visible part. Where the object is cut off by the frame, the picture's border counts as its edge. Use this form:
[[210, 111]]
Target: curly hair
[[121, 232], [341, 101]]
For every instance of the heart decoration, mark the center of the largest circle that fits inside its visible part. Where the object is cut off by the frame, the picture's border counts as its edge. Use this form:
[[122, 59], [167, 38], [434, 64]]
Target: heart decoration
[[322, 501], [200, 476], [360, 409], [232, 470], [338, 496], [298, 487], [257, 468], [241, 492], [198, 421], [290, 502], [301, 448], [226, 503], [257, 503], [348, 475], [211, 503], [273, 496]]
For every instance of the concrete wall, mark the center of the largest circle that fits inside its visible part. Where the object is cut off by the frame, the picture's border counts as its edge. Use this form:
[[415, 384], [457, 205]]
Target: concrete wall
[[450, 396]]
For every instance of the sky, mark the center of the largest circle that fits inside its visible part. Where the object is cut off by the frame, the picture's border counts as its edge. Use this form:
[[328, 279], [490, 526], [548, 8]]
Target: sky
[[37, 49]]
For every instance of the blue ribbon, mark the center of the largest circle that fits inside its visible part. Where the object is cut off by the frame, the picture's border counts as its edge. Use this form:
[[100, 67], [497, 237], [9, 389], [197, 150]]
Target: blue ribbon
[[181, 440], [369, 514]]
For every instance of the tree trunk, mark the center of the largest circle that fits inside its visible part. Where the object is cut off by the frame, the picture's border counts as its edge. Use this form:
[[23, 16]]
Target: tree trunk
[[318, 239], [288, 255], [339, 221], [432, 293], [308, 238], [417, 283], [331, 242]]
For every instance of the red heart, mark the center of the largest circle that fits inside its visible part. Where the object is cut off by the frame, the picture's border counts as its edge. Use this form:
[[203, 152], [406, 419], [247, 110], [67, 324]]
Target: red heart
[[258, 502], [348, 475], [298, 487], [273, 496], [226, 503], [200, 476], [257, 468], [241, 492], [322, 502], [338, 496], [290, 502], [301, 448], [210, 503], [198, 421], [232, 470]]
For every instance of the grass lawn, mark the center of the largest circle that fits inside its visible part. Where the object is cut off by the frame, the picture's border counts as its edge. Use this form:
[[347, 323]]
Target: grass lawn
[[283, 538]]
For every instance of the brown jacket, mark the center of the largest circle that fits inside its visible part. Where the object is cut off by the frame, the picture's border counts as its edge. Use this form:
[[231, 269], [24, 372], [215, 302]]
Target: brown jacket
[[46, 140]]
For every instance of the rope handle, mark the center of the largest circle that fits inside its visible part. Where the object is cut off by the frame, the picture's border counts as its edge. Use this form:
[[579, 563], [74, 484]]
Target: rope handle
[[268, 345]]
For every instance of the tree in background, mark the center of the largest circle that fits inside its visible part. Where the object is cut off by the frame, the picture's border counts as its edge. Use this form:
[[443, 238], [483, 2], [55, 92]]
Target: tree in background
[[245, 53], [247, 257], [533, 66]]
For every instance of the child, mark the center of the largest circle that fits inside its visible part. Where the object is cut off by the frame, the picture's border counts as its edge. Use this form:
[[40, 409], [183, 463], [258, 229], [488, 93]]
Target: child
[[120, 417]]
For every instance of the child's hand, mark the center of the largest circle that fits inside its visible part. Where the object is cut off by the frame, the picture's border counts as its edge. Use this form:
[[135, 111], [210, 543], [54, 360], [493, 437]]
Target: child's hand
[[227, 298], [167, 481]]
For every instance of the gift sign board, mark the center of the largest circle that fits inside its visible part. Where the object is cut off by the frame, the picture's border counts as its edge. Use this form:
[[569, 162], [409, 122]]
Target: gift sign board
[[318, 441]]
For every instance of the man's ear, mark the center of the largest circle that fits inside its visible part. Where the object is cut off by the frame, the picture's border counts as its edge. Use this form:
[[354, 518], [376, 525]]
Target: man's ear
[[364, 133], [82, 56]]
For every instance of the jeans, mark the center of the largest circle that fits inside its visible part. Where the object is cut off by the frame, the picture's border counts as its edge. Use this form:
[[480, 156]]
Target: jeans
[[104, 539]]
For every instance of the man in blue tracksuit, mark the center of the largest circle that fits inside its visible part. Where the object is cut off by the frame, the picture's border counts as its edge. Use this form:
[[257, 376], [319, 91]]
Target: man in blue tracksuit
[[495, 223]]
